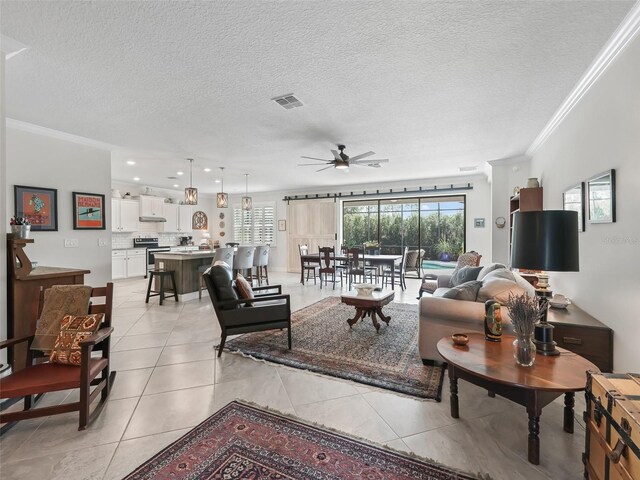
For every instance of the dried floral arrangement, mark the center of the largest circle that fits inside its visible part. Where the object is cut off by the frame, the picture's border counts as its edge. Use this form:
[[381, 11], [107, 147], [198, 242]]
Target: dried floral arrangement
[[525, 311]]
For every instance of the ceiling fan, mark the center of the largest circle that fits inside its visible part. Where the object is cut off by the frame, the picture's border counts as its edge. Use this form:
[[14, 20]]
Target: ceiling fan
[[342, 161]]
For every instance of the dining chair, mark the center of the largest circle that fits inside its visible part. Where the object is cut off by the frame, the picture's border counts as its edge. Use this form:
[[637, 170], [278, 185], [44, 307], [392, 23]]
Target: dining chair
[[328, 265], [306, 265], [398, 272], [357, 267]]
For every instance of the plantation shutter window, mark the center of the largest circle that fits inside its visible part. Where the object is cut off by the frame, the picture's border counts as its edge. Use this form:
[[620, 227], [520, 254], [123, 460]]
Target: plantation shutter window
[[255, 226]]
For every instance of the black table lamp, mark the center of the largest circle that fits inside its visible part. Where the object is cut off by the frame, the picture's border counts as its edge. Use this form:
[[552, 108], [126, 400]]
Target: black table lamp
[[545, 240]]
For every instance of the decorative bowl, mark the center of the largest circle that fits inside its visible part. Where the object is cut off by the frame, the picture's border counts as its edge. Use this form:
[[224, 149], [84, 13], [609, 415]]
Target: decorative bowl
[[460, 339], [560, 304], [364, 288]]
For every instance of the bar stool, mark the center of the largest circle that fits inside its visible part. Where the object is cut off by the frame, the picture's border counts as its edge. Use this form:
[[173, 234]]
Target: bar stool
[[260, 261], [243, 261], [161, 274]]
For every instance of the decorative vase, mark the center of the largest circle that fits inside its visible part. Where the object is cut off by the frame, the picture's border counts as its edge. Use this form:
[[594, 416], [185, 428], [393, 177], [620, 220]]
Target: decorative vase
[[21, 231], [524, 350], [533, 183]]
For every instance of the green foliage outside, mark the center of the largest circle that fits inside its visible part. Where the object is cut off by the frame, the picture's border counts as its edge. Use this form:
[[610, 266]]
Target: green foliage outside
[[436, 232]]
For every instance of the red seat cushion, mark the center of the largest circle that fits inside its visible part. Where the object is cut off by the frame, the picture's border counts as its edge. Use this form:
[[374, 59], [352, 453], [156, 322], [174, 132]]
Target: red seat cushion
[[47, 377]]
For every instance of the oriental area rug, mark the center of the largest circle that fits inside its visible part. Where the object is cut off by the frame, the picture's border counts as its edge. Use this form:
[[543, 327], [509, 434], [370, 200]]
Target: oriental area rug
[[243, 442], [324, 343]]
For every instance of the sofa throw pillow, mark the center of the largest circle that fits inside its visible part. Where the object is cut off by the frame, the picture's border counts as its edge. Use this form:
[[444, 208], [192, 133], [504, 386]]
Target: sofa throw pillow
[[220, 276], [73, 329], [498, 289], [244, 289], [465, 291], [465, 274], [59, 300], [500, 273], [488, 269]]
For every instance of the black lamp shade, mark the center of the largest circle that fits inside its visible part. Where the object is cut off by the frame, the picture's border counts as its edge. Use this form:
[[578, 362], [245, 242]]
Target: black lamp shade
[[545, 240]]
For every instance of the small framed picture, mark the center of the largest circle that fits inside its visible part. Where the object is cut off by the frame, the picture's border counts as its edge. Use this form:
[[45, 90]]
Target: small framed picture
[[282, 225], [573, 199], [88, 211], [601, 197], [38, 205], [478, 222]]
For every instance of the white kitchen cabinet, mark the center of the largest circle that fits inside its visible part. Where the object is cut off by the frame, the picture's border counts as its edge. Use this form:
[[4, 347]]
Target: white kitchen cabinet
[[170, 212], [151, 206], [136, 262], [124, 215], [118, 264], [128, 263], [178, 219], [184, 219]]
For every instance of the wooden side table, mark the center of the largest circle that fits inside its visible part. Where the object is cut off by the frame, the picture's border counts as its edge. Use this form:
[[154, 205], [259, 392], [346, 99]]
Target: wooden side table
[[491, 365], [369, 305]]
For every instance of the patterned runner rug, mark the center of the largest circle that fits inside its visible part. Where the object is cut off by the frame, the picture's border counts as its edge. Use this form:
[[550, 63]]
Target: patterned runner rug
[[324, 343], [245, 442]]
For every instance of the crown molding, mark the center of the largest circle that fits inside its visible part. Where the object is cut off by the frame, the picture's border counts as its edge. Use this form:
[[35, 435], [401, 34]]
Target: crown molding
[[624, 34], [49, 132]]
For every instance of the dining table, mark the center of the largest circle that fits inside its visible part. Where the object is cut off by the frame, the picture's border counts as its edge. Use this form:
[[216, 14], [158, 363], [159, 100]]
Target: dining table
[[376, 260]]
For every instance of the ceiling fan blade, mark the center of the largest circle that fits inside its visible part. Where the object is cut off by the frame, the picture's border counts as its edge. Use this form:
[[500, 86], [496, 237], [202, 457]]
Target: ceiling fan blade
[[330, 166], [321, 159], [336, 155], [314, 164], [362, 155], [365, 162]]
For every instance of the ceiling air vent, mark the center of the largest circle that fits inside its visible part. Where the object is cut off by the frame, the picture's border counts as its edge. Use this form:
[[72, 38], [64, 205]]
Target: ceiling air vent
[[287, 101], [468, 169]]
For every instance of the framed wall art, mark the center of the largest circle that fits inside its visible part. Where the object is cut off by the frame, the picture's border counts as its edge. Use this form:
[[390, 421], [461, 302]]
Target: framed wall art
[[88, 211], [573, 199], [38, 205], [282, 225], [200, 221], [601, 197]]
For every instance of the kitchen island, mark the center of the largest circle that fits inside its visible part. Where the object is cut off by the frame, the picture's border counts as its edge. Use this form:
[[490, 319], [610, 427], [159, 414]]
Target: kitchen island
[[186, 266]]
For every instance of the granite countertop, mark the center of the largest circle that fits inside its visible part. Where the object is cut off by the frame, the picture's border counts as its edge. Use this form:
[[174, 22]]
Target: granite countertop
[[184, 255]]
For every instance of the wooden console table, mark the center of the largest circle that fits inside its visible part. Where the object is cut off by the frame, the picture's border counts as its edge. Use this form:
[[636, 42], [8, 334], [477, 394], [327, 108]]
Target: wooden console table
[[577, 331], [24, 283]]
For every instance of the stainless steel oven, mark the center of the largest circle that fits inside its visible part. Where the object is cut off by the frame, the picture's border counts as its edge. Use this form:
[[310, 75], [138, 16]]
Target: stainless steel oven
[[151, 244]]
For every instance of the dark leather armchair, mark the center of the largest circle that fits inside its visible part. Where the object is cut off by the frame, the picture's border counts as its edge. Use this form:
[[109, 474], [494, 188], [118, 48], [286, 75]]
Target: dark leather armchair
[[268, 310]]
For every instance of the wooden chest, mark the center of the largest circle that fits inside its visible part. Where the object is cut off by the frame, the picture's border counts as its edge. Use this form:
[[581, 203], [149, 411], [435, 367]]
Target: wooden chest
[[612, 418]]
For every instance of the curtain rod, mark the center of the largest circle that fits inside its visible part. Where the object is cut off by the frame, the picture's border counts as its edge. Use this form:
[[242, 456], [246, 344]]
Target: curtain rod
[[322, 196]]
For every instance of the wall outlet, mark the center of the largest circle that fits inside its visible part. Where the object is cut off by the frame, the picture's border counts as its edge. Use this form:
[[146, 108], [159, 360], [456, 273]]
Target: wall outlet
[[102, 242], [71, 243]]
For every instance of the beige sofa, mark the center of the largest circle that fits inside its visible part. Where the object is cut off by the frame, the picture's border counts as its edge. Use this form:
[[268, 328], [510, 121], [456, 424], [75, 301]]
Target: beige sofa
[[441, 317]]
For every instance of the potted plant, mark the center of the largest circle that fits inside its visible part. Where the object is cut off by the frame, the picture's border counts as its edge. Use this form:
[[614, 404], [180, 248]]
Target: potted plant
[[444, 250], [20, 227]]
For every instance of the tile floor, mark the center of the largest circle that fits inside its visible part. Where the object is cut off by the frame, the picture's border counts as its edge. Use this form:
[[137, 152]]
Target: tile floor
[[169, 380]]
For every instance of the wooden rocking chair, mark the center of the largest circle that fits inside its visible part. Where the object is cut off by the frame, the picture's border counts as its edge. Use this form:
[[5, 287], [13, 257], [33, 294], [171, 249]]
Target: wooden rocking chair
[[39, 378]]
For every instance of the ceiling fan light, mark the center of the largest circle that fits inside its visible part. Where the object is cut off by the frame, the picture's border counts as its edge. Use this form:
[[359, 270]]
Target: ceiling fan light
[[342, 166]]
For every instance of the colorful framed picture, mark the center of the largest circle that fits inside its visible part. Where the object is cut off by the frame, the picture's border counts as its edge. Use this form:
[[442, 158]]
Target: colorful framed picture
[[38, 205], [88, 211]]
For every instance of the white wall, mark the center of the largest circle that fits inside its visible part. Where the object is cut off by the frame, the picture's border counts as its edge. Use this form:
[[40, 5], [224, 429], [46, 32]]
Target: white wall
[[3, 214], [42, 161], [603, 132], [478, 206]]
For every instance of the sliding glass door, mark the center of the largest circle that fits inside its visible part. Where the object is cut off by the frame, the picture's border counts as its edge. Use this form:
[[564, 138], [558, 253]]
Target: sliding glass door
[[435, 224]]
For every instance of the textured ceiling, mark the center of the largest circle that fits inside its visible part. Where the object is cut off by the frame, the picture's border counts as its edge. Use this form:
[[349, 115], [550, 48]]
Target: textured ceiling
[[432, 86]]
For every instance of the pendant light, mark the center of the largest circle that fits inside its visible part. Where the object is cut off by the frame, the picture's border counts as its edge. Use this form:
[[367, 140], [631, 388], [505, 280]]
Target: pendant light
[[222, 199], [190, 193], [246, 200]]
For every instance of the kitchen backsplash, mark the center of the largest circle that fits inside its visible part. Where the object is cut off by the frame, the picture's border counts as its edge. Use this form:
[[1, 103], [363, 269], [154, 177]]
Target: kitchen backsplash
[[125, 240]]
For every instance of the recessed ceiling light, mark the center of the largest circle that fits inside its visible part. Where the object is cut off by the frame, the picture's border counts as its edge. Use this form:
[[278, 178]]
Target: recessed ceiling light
[[175, 185], [179, 173], [207, 169], [130, 162], [216, 181], [136, 179]]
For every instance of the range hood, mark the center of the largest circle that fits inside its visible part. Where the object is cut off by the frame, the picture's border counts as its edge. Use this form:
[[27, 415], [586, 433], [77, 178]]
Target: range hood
[[152, 219]]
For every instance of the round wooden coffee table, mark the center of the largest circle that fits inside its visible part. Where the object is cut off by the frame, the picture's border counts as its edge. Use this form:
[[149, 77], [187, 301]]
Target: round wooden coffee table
[[491, 365]]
